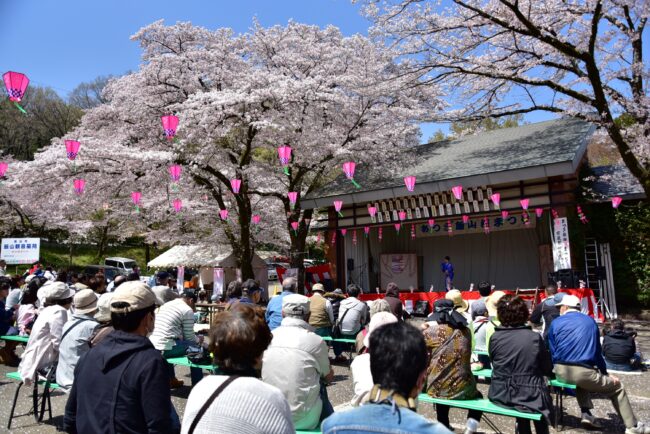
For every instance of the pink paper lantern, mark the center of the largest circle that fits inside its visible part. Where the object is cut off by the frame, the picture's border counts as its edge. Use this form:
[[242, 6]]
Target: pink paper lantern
[[616, 201], [235, 184], [354, 237], [178, 205], [372, 211], [293, 197], [450, 230], [338, 204], [256, 219], [3, 169], [136, 196], [539, 212], [409, 181], [294, 226], [169, 123], [349, 168], [486, 225], [16, 84], [223, 213], [465, 219], [412, 232], [504, 214], [72, 149], [79, 186], [175, 172], [402, 215], [398, 226], [380, 234], [524, 203], [344, 231], [284, 153], [366, 230], [496, 199], [431, 222], [458, 192]]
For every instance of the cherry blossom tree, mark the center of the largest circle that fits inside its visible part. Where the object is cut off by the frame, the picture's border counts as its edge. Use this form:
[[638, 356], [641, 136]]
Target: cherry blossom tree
[[494, 58], [238, 97]]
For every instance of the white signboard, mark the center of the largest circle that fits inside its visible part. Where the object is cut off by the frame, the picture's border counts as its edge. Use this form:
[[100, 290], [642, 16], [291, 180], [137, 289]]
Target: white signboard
[[217, 283], [21, 250], [561, 246]]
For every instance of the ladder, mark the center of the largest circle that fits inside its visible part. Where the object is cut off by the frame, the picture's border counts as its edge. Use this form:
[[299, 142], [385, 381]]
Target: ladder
[[598, 260], [592, 261]]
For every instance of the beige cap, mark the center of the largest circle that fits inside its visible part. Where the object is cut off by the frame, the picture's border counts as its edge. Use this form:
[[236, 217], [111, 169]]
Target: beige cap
[[135, 294], [317, 287], [84, 301], [295, 305], [457, 297], [491, 302], [104, 307], [52, 291], [379, 319], [570, 301]]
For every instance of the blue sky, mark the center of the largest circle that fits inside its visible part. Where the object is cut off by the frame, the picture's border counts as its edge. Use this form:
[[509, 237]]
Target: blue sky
[[63, 43]]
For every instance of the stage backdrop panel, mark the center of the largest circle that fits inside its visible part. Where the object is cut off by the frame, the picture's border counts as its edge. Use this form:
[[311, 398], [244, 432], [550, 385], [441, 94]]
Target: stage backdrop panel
[[400, 268]]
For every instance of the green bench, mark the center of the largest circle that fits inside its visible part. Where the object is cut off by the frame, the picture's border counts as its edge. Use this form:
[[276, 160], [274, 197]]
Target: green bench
[[22, 339], [308, 431], [341, 340], [45, 398], [481, 353], [182, 361], [483, 405]]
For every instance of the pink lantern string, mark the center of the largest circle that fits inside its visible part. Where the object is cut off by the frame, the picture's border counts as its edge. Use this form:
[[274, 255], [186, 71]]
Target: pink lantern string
[[169, 124], [402, 215], [431, 223], [136, 196], [366, 230], [554, 214], [333, 238], [372, 211], [413, 232], [16, 84], [256, 219], [175, 172], [398, 227], [338, 205], [409, 181], [582, 216], [293, 198], [354, 237], [294, 226], [616, 201], [235, 184], [526, 218], [178, 205], [223, 214], [284, 153], [524, 203], [79, 186], [539, 212], [465, 219], [496, 199], [348, 169], [486, 225], [318, 238], [3, 169], [458, 191], [450, 230], [380, 234], [504, 214], [344, 231]]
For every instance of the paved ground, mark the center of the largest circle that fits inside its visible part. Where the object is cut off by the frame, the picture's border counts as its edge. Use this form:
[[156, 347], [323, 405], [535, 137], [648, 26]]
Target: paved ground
[[637, 386]]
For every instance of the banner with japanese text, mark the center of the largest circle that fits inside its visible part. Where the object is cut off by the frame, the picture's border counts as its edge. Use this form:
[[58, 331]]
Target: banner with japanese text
[[21, 250], [561, 245], [474, 225]]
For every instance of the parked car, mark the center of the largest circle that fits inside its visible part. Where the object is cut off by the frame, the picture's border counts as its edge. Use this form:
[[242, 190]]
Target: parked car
[[126, 264], [272, 269], [109, 272]]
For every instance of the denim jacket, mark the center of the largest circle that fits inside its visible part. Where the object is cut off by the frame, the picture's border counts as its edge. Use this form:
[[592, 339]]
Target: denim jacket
[[380, 418]]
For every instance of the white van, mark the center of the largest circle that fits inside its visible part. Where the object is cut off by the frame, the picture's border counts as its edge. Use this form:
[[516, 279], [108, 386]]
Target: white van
[[126, 264]]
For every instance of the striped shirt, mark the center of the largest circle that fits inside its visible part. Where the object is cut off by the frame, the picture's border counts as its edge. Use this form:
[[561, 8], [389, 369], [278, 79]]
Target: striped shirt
[[174, 321]]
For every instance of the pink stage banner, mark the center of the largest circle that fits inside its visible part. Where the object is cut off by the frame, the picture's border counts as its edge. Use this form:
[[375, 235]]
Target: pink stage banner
[[586, 296]]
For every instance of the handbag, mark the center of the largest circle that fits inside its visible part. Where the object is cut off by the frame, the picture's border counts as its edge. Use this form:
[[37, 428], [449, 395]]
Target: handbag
[[197, 355], [421, 308], [336, 329]]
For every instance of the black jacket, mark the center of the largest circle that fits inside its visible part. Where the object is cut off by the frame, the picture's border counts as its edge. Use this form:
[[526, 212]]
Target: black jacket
[[120, 386], [335, 299], [618, 347], [393, 300], [520, 363], [547, 311]]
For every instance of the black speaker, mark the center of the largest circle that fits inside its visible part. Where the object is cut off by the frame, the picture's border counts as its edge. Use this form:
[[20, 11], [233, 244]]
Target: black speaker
[[350, 264]]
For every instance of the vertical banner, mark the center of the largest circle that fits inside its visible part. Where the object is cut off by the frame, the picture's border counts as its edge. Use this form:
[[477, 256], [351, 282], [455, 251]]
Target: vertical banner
[[180, 278], [217, 279], [561, 246]]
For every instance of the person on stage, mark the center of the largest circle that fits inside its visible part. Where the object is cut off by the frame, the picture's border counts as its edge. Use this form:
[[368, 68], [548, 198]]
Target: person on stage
[[448, 269]]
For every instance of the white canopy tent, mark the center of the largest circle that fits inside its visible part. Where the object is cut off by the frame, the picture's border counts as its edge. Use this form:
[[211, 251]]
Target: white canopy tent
[[206, 259]]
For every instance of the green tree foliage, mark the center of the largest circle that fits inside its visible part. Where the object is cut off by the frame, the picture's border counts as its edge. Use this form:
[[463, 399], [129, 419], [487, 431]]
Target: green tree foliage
[[460, 129], [634, 225], [89, 94]]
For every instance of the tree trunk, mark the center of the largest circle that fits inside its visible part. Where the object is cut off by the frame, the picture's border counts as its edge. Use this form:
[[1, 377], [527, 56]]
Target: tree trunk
[[147, 255], [101, 248], [246, 250], [70, 256]]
